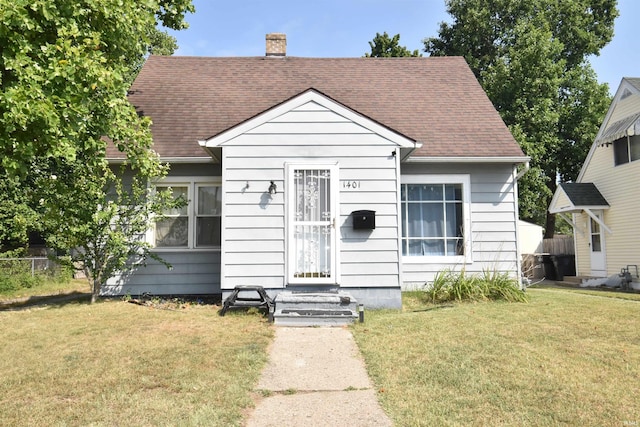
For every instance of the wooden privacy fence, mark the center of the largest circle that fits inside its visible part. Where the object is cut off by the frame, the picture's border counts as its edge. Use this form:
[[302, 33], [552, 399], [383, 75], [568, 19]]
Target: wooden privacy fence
[[559, 245], [555, 261]]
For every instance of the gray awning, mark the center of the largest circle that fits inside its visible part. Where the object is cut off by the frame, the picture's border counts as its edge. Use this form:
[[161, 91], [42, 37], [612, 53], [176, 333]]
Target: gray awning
[[579, 197], [628, 126], [582, 194]]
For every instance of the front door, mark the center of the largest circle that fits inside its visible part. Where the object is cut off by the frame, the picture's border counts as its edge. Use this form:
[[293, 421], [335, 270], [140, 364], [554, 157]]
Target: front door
[[312, 211], [597, 248]]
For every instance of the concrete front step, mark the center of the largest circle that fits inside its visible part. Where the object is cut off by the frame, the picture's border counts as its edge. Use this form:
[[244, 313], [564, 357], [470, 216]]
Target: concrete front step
[[315, 309]]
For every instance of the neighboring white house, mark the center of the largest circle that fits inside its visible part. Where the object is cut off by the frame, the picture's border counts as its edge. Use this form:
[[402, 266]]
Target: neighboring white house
[[530, 238], [361, 174], [603, 204]]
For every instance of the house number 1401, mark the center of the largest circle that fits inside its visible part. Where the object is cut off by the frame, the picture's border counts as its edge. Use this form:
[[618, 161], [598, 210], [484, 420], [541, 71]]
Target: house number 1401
[[352, 185]]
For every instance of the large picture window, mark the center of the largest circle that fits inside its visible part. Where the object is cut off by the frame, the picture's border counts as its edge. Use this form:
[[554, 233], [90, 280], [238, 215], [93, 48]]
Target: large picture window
[[434, 211], [195, 225]]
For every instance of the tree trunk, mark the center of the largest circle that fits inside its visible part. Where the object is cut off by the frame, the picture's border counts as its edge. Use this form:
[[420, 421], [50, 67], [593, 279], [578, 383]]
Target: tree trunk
[[95, 290], [550, 226], [550, 223]]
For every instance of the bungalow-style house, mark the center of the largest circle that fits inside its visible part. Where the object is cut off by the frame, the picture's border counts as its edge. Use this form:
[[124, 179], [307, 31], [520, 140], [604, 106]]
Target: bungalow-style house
[[602, 205], [362, 175]]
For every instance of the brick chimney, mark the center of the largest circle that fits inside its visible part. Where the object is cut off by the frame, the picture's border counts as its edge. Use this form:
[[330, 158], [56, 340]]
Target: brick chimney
[[276, 44]]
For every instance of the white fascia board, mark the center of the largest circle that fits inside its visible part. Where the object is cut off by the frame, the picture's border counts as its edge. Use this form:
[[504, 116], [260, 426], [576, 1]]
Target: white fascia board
[[575, 209], [189, 160], [554, 200], [308, 96], [172, 160], [468, 159], [598, 220]]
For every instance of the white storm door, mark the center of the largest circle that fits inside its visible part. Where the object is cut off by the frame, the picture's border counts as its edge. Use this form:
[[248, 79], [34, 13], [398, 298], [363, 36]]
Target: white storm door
[[596, 246], [312, 212]]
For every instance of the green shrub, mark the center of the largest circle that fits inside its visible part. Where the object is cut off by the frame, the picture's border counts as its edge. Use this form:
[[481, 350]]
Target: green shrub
[[490, 285], [16, 274]]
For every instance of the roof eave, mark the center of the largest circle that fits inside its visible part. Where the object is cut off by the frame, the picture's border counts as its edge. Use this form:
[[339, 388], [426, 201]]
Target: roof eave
[[171, 160], [493, 159]]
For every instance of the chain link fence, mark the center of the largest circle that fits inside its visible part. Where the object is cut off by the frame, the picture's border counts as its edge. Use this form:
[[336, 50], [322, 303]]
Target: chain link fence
[[32, 265]]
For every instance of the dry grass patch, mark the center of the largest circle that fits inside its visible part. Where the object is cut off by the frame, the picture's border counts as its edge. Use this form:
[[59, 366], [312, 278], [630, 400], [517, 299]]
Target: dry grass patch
[[115, 363], [562, 358]]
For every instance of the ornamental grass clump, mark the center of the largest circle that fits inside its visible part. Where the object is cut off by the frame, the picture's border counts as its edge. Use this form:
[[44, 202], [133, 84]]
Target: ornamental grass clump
[[490, 285]]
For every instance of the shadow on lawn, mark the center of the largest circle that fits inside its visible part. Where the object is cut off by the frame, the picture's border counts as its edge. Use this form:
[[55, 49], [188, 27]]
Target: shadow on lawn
[[58, 300], [155, 301]]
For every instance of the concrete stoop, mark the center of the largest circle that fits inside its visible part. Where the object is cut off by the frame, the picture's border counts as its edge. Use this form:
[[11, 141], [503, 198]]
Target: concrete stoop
[[315, 309]]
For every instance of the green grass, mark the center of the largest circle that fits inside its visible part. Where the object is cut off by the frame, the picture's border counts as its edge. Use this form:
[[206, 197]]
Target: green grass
[[47, 286], [564, 358], [117, 363], [567, 357], [599, 292]]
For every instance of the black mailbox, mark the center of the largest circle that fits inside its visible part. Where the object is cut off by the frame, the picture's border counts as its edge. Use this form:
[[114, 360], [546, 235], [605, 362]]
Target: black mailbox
[[364, 220]]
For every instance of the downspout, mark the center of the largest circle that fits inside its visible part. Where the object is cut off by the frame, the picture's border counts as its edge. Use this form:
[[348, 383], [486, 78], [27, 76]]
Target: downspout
[[398, 165], [517, 225]]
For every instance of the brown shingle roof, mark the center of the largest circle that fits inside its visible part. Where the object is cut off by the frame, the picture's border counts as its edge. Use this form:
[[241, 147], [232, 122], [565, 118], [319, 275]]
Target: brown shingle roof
[[436, 101]]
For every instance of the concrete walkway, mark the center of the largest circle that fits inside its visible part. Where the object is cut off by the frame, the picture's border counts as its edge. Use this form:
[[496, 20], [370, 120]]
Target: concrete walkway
[[315, 377]]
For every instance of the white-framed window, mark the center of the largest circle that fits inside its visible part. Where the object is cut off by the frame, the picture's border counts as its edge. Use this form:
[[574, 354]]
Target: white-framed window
[[197, 225], [435, 218], [626, 149]]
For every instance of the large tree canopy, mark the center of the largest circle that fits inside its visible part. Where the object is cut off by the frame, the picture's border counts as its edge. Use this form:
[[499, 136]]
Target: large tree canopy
[[65, 70], [531, 57], [383, 46]]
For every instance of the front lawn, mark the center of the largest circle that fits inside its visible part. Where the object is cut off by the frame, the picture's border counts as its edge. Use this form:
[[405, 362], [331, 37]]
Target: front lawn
[[117, 363], [564, 358]]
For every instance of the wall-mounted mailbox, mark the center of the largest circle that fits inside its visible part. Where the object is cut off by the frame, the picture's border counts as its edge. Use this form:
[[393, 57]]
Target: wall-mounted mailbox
[[364, 220]]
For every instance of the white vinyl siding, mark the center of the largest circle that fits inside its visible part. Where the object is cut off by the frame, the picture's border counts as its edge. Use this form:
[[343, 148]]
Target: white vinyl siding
[[192, 273], [618, 184], [256, 241], [625, 108], [254, 223]]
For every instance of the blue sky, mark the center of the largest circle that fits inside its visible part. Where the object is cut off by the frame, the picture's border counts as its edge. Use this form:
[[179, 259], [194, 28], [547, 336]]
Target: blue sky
[[343, 28]]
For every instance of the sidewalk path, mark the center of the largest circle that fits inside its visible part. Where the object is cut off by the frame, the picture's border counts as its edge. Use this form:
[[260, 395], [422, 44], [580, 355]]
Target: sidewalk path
[[316, 377]]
